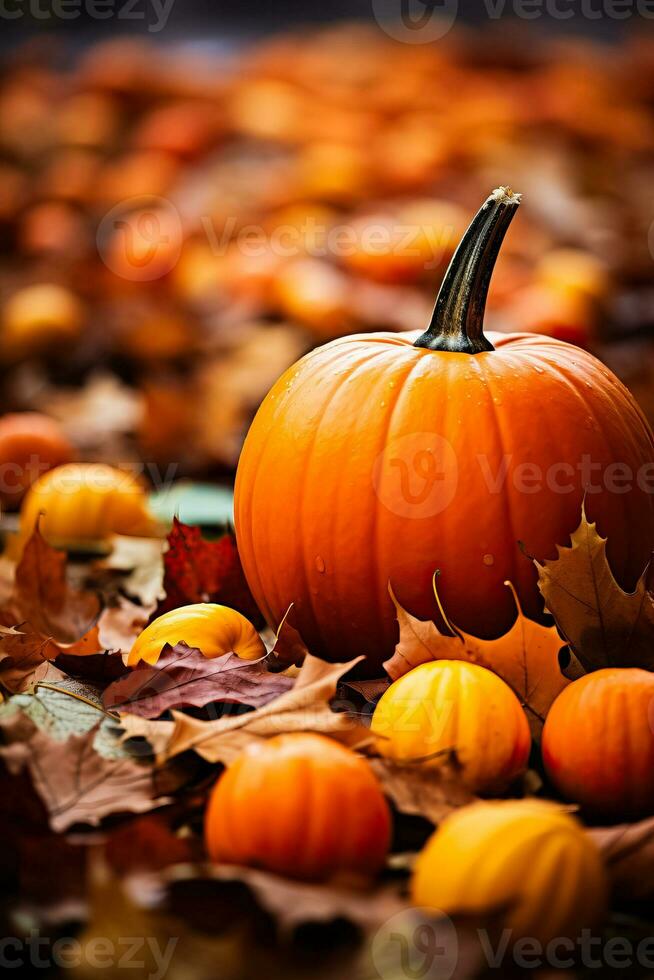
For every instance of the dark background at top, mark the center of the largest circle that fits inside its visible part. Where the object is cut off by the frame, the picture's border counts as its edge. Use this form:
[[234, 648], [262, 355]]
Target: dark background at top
[[235, 18]]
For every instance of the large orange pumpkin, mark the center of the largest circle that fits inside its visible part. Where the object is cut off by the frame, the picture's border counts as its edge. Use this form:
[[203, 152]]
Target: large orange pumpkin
[[379, 458], [598, 743]]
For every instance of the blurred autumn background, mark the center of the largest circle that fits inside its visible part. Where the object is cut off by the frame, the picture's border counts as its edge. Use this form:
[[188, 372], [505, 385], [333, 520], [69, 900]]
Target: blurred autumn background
[[186, 207]]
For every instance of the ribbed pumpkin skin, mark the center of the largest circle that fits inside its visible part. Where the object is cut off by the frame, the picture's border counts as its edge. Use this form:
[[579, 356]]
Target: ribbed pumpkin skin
[[212, 628], [527, 855], [30, 444], [451, 704], [82, 502], [300, 805], [598, 743], [325, 521]]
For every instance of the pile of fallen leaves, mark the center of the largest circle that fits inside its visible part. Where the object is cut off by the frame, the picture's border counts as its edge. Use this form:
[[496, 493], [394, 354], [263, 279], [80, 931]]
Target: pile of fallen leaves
[[106, 769]]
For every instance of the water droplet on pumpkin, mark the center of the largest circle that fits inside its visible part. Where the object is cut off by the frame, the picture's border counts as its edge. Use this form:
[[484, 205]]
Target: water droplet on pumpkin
[[539, 370], [382, 404], [497, 401], [392, 384], [488, 560], [320, 564]]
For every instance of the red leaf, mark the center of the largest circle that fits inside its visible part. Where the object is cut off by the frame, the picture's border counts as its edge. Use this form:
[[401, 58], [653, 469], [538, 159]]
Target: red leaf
[[197, 570], [183, 677]]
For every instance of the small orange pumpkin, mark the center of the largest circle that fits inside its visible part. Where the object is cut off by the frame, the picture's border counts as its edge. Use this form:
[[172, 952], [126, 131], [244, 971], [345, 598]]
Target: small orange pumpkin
[[30, 444], [450, 704], [598, 743], [300, 805], [392, 455]]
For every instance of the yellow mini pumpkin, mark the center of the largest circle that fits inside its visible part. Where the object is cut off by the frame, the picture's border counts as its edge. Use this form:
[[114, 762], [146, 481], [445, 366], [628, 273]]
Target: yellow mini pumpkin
[[528, 857], [212, 628], [450, 704], [80, 503], [38, 317]]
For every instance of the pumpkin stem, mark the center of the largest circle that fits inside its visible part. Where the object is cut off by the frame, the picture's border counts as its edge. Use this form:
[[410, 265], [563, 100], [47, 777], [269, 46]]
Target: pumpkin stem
[[458, 319]]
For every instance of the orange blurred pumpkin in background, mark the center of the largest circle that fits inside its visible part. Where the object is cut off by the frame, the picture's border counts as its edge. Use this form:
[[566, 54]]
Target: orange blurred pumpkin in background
[[301, 805], [30, 444], [380, 458]]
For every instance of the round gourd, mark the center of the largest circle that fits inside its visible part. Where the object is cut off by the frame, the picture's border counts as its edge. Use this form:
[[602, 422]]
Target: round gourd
[[393, 455], [598, 743], [38, 317], [527, 856], [454, 705], [300, 805], [30, 444], [82, 503], [212, 628]]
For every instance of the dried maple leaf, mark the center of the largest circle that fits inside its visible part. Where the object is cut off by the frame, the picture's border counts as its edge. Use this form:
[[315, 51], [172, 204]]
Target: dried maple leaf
[[628, 852], [79, 786], [184, 677], [604, 625], [42, 595], [197, 570], [526, 657], [305, 708], [420, 790]]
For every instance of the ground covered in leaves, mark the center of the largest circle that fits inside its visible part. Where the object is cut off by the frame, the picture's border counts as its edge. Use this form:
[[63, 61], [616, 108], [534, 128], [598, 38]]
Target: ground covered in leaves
[[105, 769]]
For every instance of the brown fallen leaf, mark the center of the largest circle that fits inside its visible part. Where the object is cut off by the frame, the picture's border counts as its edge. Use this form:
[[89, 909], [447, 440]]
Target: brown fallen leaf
[[628, 852], [120, 624], [604, 625], [370, 691], [197, 570], [421, 791], [289, 649], [526, 657], [135, 566], [42, 595], [305, 707], [289, 903], [25, 658], [79, 786], [184, 677]]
